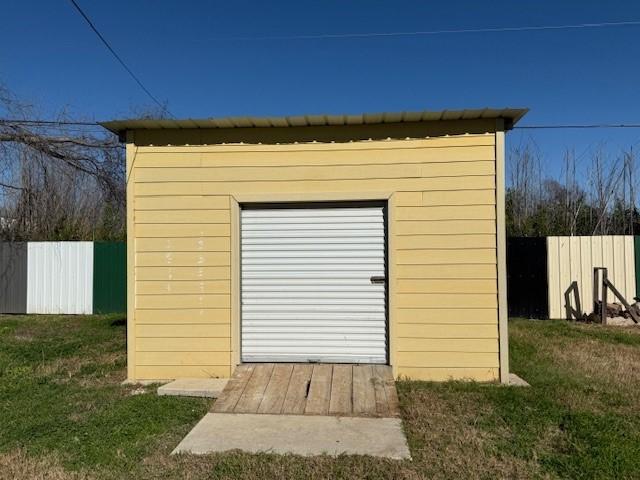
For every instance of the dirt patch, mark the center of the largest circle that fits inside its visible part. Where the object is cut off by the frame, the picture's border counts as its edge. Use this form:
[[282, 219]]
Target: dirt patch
[[17, 464]]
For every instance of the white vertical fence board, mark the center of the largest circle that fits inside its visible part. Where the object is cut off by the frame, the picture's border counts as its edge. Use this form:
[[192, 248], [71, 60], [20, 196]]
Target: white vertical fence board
[[60, 277], [572, 259]]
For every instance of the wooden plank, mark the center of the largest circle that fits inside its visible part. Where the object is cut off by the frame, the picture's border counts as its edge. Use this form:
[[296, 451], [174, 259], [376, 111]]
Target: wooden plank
[[447, 316], [187, 244], [188, 316], [412, 344], [447, 271], [385, 374], [254, 391], [183, 273], [414, 242], [446, 256], [187, 202], [469, 197], [188, 344], [183, 330], [447, 359], [457, 212], [379, 379], [295, 172], [296, 397], [233, 390], [183, 358], [448, 227], [341, 390], [183, 259], [267, 156], [364, 399], [444, 300], [453, 285], [425, 330], [276, 390], [182, 216], [470, 182], [214, 144], [182, 230], [320, 390], [185, 287], [214, 300]]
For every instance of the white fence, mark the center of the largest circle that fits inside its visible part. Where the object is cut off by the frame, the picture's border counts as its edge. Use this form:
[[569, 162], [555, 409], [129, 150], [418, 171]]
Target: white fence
[[60, 277], [570, 263]]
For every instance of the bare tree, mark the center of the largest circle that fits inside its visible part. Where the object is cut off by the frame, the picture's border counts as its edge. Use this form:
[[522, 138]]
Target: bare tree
[[57, 182]]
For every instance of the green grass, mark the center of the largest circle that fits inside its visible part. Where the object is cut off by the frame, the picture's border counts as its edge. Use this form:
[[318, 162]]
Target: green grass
[[65, 413]]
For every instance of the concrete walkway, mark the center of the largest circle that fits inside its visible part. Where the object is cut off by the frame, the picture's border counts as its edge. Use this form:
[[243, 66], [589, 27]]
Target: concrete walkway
[[297, 434]]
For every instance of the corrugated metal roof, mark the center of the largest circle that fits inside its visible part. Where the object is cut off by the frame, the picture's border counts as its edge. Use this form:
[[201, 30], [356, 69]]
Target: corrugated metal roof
[[511, 115]]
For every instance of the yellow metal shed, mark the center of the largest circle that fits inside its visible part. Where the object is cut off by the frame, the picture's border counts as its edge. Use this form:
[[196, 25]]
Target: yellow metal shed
[[375, 238]]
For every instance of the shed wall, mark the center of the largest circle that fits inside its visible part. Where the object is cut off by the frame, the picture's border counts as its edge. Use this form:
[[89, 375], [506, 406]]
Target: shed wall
[[442, 242]]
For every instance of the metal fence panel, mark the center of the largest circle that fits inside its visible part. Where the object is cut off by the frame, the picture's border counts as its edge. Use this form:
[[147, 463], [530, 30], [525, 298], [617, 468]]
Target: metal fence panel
[[13, 277], [109, 277], [60, 277], [570, 263], [527, 277]]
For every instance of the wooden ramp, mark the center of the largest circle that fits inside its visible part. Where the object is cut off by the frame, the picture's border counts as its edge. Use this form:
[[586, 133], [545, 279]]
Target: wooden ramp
[[310, 389]]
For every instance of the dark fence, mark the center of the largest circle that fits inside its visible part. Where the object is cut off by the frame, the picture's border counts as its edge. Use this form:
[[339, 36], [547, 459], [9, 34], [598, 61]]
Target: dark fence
[[527, 280], [109, 277], [13, 277]]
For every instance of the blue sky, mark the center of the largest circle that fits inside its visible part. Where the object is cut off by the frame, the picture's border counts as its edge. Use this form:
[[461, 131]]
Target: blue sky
[[185, 54]]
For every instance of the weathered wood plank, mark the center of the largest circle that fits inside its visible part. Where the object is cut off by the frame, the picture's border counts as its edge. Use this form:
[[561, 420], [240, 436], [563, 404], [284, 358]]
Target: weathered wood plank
[[386, 375], [276, 390], [341, 383], [233, 390], [364, 400], [252, 395], [296, 397], [320, 390], [379, 379]]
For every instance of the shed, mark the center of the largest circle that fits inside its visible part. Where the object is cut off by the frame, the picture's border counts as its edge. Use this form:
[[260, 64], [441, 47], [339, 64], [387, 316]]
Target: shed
[[374, 238]]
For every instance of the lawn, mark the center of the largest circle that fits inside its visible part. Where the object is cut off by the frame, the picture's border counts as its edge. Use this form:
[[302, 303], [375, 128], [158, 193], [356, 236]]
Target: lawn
[[66, 415]]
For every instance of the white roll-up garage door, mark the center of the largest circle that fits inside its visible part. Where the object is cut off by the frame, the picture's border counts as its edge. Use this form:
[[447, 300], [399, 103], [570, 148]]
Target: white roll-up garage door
[[307, 289]]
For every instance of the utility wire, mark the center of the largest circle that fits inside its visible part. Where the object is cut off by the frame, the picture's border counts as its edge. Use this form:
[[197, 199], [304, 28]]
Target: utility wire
[[324, 36], [518, 127], [117, 57], [577, 126]]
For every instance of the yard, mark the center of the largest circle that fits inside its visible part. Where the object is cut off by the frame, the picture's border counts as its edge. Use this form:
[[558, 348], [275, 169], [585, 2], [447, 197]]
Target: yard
[[66, 415]]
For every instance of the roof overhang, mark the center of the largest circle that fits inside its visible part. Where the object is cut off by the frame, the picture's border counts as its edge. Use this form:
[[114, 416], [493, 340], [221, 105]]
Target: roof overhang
[[510, 116]]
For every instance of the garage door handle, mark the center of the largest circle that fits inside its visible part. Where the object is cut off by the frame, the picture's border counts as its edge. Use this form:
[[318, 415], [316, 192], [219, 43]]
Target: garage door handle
[[378, 279]]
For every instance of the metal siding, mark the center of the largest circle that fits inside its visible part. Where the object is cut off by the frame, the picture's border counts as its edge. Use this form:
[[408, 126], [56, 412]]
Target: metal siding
[[306, 289], [13, 277], [572, 259], [512, 114], [60, 277], [109, 277]]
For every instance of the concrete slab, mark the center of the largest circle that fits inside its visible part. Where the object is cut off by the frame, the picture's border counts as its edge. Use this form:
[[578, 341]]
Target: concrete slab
[[297, 434], [516, 381], [194, 387]]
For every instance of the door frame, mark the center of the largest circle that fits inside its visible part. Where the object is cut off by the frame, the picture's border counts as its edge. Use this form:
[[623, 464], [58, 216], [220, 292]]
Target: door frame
[[252, 202]]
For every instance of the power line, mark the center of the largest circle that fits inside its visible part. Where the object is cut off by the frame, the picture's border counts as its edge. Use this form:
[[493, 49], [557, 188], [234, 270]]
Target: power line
[[19, 121], [577, 126], [46, 122], [117, 57], [326, 36]]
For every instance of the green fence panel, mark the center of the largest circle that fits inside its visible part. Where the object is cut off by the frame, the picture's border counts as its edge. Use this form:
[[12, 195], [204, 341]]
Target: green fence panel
[[109, 277]]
